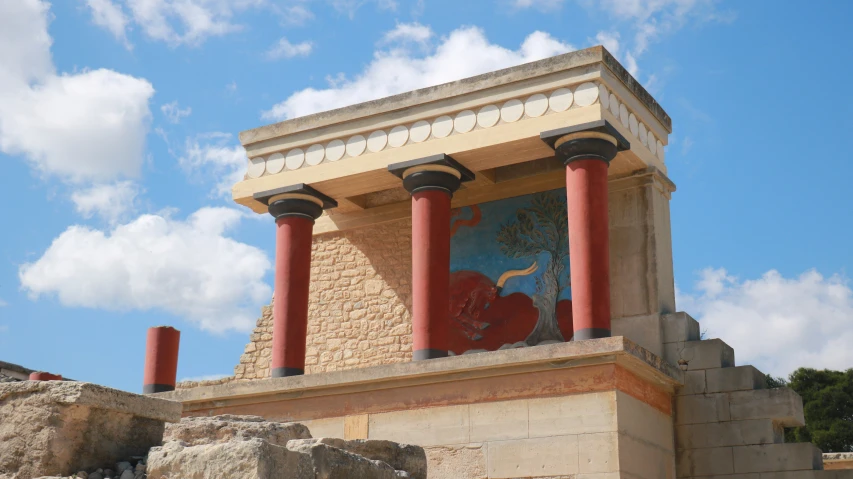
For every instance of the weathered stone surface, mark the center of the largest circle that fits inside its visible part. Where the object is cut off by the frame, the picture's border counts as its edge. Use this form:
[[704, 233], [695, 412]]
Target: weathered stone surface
[[61, 427], [329, 462], [453, 462], [196, 431], [404, 457], [246, 459]]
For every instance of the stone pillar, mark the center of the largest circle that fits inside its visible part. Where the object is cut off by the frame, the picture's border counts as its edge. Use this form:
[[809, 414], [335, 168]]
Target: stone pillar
[[294, 208], [431, 181], [587, 152], [43, 376], [161, 359]]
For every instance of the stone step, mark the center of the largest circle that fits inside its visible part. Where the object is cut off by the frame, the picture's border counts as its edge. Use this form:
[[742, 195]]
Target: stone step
[[731, 433], [679, 327], [698, 355], [740, 378], [741, 462], [782, 405]]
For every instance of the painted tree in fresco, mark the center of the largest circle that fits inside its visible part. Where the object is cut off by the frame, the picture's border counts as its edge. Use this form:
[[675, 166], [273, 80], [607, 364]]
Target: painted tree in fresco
[[541, 227]]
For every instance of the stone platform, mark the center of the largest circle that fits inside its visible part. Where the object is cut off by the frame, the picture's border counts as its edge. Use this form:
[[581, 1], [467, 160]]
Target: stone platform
[[587, 409]]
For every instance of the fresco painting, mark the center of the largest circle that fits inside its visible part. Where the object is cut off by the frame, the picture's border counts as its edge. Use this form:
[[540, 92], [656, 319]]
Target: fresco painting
[[509, 280]]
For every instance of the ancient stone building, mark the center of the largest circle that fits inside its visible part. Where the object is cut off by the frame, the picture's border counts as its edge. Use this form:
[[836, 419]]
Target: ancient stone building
[[484, 268]]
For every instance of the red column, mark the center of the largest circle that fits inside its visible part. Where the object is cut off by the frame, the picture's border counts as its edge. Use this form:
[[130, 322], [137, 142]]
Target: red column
[[43, 376], [161, 359], [290, 306], [430, 273], [589, 247]]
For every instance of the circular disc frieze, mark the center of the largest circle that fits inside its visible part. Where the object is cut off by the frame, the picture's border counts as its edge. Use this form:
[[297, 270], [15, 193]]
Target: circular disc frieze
[[442, 126], [614, 105], [643, 134], [398, 137], [275, 163], [633, 125], [335, 150], [604, 96], [488, 116], [464, 121], [420, 131], [256, 167], [512, 111], [376, 141], [314, 155], [561, 99], [536, 105], [356, 145], [295, 158], [586, 94]]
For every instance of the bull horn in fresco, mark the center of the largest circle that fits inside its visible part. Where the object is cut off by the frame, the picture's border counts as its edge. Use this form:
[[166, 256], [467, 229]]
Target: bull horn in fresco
[[513, 273]]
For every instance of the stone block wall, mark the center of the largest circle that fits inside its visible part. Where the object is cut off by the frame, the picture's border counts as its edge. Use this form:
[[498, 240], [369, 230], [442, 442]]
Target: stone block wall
[[360, 302]]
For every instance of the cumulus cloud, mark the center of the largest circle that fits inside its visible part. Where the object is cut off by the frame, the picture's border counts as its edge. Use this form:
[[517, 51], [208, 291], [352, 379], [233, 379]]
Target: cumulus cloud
[[284, 49], [538, 4], [190, 22], [776, 323], [110, 15], [213, 155], [463, 53], [189, 268], [175, 113], [408, 32], [109, 201], [89, 126]]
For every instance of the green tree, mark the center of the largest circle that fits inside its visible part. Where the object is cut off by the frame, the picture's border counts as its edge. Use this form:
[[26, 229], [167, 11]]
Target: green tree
[[540, 228], [828, 407]]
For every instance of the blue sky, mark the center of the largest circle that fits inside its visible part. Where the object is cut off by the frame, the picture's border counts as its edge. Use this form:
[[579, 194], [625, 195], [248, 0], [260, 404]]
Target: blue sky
[[118, 123]]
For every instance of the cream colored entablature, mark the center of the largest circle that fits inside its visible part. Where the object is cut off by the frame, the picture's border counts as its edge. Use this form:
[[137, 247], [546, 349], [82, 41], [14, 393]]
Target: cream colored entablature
[[489, 123]]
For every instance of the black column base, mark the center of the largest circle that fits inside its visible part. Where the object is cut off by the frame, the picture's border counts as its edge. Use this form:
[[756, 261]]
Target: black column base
[[591, 333], [285, 372], [157, 388], [422, 354]]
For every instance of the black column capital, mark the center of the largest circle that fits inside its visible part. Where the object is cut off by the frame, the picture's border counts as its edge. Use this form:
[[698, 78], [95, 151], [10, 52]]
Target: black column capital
[[597, 140], [437, 172], [295, 200]]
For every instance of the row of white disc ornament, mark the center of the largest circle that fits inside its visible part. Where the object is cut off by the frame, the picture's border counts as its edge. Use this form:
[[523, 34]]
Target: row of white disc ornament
[[629, 121], [488, 116]]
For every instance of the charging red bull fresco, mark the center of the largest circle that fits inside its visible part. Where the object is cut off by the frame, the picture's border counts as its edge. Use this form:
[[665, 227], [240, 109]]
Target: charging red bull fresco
[[510, 282]]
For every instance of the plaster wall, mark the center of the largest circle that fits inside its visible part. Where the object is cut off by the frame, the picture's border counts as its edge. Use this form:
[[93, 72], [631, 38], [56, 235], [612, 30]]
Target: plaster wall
[[360, 295]]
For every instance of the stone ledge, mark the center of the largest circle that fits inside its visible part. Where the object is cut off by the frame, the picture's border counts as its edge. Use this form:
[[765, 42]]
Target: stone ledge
[[92, 395], [618, 350]]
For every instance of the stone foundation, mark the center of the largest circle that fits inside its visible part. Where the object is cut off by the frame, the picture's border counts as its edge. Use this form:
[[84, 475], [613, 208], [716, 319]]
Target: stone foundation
[[61, 427]]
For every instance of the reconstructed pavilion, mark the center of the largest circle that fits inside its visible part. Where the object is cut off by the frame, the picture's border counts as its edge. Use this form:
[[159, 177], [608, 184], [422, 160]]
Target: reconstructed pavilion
[[522, 215]]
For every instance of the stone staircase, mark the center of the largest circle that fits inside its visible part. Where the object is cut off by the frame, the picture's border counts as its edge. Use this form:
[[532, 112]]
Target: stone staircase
[[728, 424]]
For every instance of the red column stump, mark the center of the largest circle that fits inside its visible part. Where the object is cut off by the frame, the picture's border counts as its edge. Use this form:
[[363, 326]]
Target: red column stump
[[161, 359]]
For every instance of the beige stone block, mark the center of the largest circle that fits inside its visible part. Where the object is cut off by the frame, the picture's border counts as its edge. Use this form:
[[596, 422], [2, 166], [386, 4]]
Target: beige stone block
[[327, 427], [356, 427], [597, 475], [705, 354], [741, 378], [777, 457], [575, 414], [539, 457], [732, 433], [781, 404], [598, 452], [644, 330], [640, 459], [499, 420], [679, 327], [705, 462], [694, 383], [424, 427], [643, 422], [466, 461], [702, 408]]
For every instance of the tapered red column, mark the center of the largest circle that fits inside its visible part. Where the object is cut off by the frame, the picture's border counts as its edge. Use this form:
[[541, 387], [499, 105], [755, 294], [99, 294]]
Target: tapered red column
[[43, 376], [290, 306], [587, 154], [430, 273], [431, 182], [294, 208], [161, 359]]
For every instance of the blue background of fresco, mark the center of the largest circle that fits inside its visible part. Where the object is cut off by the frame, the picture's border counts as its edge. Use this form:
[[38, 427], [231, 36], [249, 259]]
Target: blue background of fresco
[[476, 248]]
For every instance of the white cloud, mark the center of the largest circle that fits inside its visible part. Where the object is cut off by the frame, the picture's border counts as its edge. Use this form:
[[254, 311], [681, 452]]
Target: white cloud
[[775, 323], [109, 201], [610, 41], [3, 303], [189, 268], [284, 49], [89, 126], [408, 32], [188, 22], [109, 15], [295, 15], [463, 53], [214, 156], [538, 4], [174, 113]]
